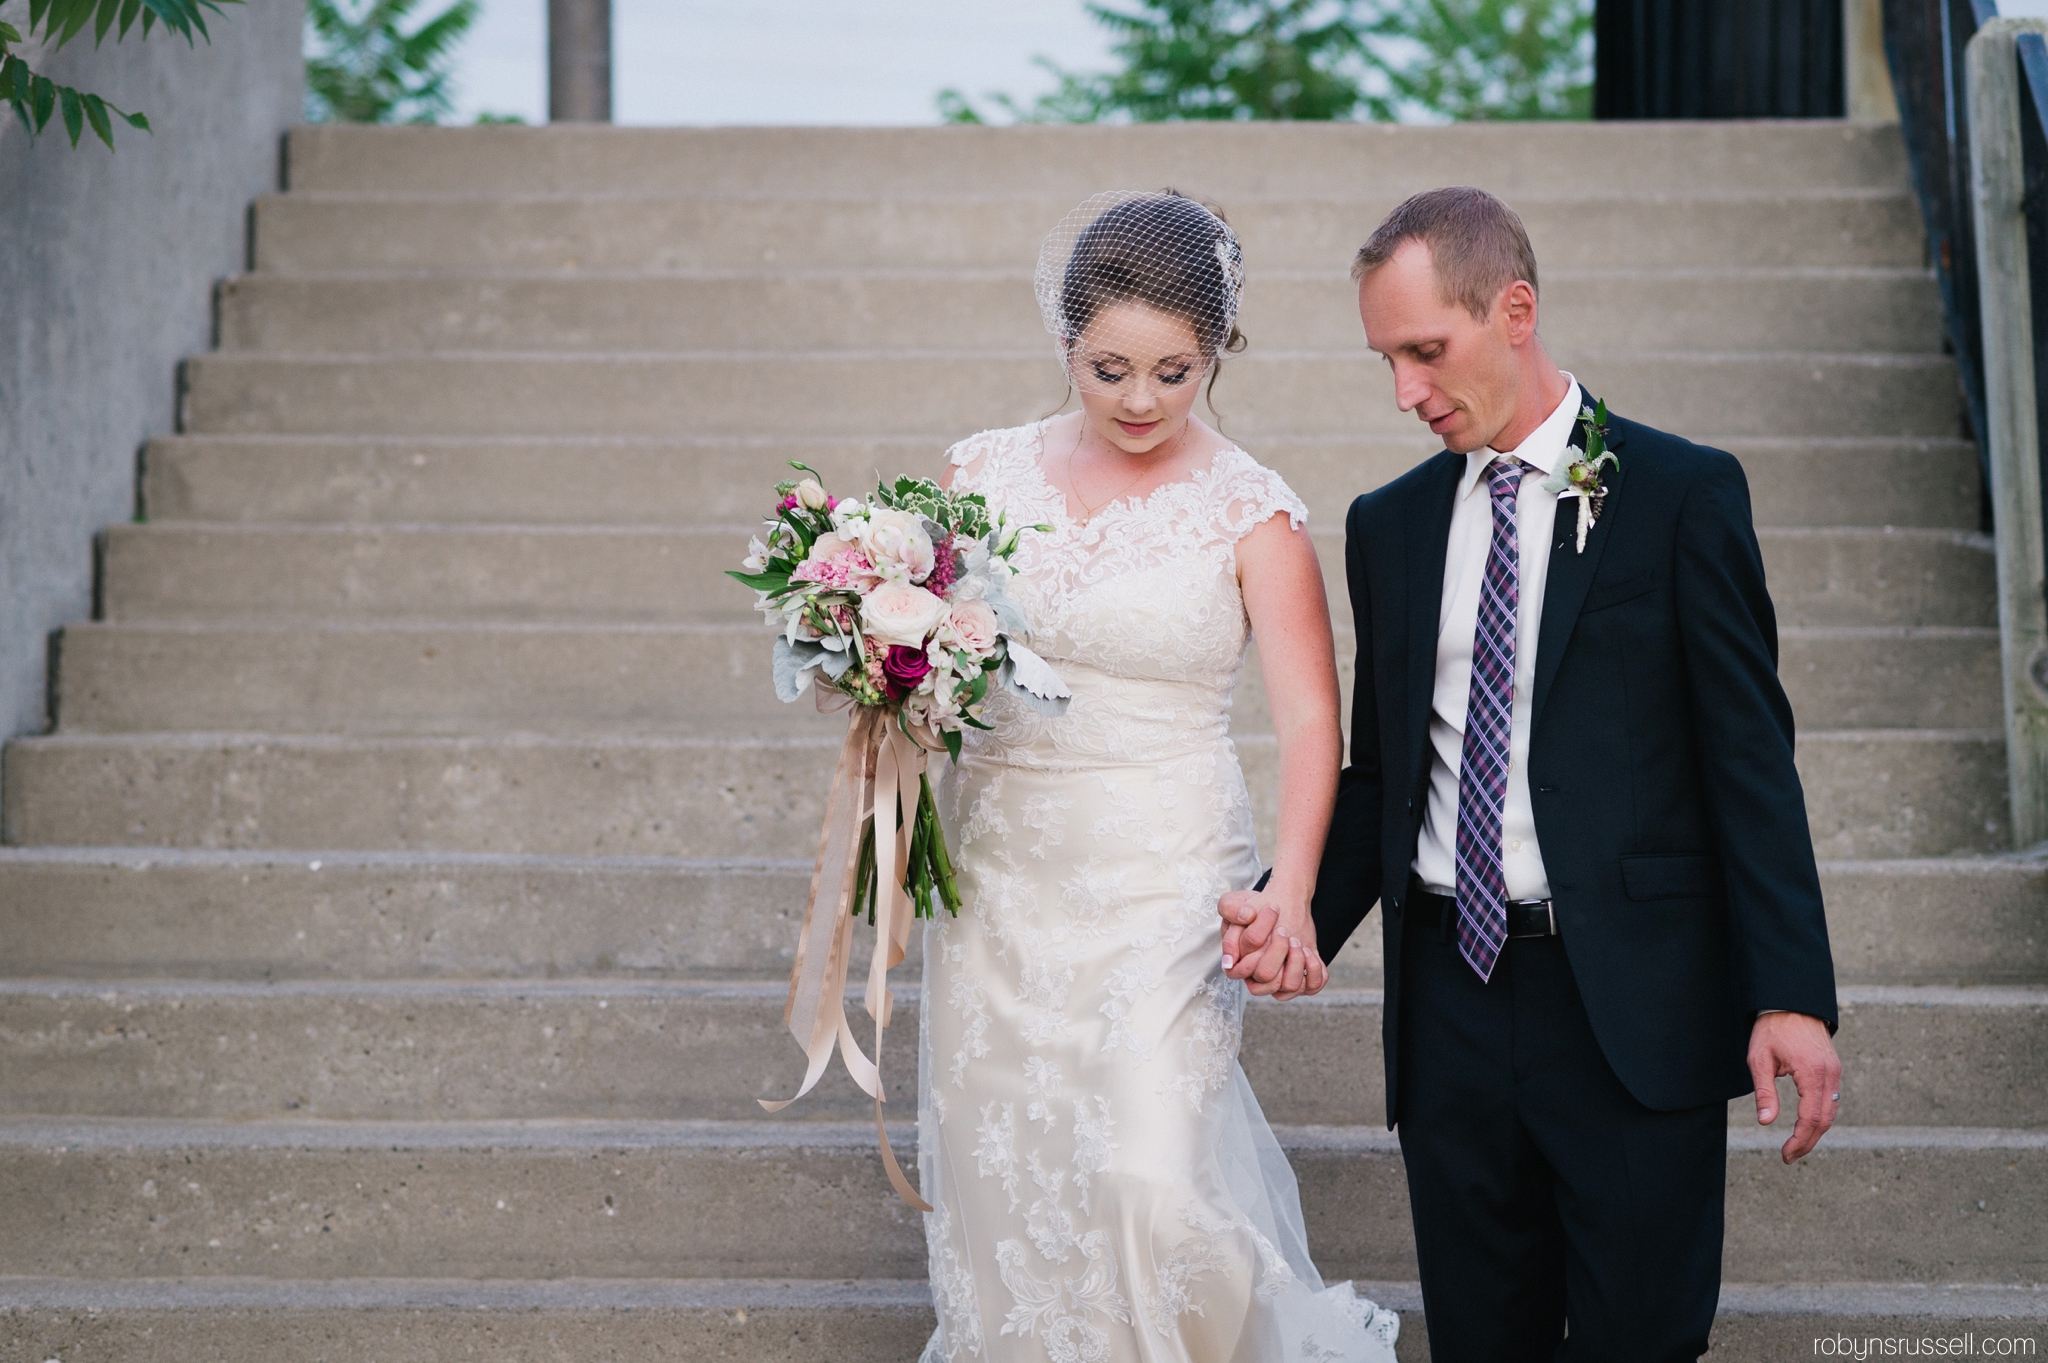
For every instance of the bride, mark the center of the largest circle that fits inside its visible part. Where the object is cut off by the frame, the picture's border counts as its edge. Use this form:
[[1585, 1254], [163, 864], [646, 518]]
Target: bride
[[1104, 1186]]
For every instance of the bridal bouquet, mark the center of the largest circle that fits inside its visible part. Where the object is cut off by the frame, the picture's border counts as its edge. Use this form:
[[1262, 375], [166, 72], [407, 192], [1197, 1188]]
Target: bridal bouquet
[[897, 608], [901, 605]]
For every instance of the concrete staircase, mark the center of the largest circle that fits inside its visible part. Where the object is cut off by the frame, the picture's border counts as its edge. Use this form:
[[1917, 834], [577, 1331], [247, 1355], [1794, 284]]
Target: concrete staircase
[[393, 927]]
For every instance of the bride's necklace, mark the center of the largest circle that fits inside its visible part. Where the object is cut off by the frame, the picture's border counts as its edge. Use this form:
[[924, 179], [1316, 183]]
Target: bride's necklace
[[1087, 511]]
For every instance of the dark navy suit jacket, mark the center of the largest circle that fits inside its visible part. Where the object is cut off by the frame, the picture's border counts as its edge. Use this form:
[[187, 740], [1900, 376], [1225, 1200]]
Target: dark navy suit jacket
[[1670, 816]]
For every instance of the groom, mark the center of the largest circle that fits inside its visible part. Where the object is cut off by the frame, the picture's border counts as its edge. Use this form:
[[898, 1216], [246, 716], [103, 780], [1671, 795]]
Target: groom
[[1572, 788]]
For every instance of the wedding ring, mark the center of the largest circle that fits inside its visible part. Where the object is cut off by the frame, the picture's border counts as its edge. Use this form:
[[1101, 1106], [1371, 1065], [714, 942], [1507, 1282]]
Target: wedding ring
[[1834, 1097]]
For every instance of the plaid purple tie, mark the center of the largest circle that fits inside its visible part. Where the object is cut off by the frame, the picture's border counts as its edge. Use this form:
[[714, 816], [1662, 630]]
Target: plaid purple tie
[[1483, 763]]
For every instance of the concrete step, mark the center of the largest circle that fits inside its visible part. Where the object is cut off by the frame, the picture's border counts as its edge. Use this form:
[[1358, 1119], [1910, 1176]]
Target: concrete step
[[666, 1051], [805, 309], [1892, 678], [426, 679], [111, 914], [1295, 160], [1870, 793], [432, 1320], [570, 481], [871, 1321], [1760, 1323], [518, 794], [118, 913], [1884, 918], [122, 1199], [175, 571], [1905, 793], [714, 679], [309, 232], [947, 395], [1849, 577]]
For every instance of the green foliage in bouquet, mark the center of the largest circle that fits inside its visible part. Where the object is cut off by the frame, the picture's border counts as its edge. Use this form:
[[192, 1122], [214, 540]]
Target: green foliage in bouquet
[[965, 514]]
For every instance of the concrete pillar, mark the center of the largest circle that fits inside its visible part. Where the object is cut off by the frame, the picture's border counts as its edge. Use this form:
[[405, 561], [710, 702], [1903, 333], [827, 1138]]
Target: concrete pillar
[[579, 61], [1997, 193], [1864, 69]]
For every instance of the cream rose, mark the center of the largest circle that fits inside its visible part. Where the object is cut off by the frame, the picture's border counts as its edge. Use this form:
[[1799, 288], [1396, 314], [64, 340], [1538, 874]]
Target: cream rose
[[811, 495], [896, 539], [973, 625], [898, 613]]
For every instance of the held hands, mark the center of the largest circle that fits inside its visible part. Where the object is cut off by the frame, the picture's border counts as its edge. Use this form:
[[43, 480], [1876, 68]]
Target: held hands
[[1798, 1045], [1269, 942]]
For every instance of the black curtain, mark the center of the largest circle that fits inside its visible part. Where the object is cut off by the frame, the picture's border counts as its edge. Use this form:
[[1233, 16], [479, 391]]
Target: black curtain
[[1718, 59]]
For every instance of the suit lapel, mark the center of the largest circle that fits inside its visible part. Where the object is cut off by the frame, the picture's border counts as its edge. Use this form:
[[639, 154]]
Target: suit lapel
[[1429, 535], [1571, 573]]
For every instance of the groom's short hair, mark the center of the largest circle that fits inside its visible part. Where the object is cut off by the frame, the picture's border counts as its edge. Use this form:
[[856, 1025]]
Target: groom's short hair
[[1477, 244]]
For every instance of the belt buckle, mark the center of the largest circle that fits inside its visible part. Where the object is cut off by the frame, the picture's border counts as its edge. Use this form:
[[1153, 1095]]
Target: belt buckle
[[1549, 911]]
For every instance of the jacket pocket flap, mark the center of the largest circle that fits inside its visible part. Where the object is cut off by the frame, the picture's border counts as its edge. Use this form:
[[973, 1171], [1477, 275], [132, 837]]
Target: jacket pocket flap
[[1607, 594], [1678, 875]]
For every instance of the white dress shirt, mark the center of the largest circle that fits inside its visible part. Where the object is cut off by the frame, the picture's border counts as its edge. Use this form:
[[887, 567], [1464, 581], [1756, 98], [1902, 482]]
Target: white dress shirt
[[1471, 539]]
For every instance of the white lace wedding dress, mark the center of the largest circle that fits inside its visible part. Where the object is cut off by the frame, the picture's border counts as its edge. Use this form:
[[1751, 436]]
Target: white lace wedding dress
[[1104, 1185]]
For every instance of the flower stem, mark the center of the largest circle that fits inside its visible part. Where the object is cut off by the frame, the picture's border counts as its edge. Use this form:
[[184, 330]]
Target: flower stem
[[942, 863], [864, 877]]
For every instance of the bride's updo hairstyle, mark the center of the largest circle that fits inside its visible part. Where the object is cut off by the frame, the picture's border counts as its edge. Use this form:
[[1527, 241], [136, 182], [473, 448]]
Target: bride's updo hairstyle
[[1160, 249]]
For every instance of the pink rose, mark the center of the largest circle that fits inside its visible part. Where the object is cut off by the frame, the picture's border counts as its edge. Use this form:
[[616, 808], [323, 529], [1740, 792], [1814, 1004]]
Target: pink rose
[[831, 544], [972, 624]]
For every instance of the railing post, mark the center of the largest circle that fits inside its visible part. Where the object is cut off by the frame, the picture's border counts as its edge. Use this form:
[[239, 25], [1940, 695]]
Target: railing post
[[2012, 435], [579, 61], [1864, 73]]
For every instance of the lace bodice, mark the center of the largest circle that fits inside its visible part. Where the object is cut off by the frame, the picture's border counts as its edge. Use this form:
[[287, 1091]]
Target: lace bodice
[[1138, 608]]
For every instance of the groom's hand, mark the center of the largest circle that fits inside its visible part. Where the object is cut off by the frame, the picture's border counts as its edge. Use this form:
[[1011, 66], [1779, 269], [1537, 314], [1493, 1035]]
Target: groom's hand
[[1798, 1045], [1271, 958]]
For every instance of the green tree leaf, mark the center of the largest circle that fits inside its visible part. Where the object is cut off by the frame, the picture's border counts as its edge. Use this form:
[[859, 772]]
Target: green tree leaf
[[1488, 59], [1320, 59], [370, 65], [36, 99], [96, 117], [74, 112]]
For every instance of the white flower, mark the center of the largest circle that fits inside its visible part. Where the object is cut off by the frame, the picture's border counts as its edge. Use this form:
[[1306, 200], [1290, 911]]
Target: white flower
[[898, 613], [757, 556], [896, 539], [811, 495], [849, 509], [973, 626]]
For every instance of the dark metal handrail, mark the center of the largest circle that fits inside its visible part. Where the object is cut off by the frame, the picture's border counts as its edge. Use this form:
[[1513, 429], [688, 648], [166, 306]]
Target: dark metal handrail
[[2032, 50], [1923, 45]]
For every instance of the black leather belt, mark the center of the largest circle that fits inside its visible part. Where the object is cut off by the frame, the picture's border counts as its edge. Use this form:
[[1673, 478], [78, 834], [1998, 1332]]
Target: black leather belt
[[1526, 917]]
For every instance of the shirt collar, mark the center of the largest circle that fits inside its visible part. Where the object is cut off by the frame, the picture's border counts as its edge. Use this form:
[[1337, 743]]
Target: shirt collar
[[1543, 449]]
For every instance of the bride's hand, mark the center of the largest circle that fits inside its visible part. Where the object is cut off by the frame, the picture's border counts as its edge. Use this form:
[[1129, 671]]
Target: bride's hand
[[1269, 941]]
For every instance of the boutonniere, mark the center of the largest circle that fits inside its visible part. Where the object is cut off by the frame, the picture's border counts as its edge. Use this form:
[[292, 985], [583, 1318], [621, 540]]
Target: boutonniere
[[1580, 477]]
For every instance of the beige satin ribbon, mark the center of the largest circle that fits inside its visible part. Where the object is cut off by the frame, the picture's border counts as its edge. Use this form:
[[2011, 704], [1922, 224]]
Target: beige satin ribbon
[[879, 774]]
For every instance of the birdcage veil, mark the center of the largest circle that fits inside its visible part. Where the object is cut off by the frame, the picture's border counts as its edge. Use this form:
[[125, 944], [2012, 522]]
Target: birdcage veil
[[1157, 248]]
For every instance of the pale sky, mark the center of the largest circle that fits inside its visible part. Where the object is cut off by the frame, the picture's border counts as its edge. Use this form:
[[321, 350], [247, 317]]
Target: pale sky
[[782, 61]]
